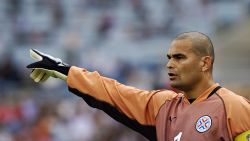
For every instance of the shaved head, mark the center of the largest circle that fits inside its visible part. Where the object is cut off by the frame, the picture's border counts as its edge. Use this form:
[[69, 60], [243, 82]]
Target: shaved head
[[190, 63], [201, 43]]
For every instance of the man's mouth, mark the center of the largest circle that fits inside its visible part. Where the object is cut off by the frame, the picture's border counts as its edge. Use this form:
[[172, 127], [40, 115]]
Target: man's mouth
[[172, 76]]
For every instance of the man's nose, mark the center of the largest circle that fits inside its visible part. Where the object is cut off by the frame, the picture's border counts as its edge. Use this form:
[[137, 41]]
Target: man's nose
[[169, 64]]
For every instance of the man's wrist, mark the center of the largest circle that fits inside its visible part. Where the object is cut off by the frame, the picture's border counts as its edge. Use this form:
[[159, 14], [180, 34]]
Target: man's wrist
[[64, 70]]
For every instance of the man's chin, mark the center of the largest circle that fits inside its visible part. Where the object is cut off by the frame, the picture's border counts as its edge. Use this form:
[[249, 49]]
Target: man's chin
[[178, 87], [175, 85]]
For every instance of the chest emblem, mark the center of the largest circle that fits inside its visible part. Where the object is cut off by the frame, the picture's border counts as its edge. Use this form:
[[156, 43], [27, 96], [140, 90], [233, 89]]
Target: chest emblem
[[203, 124]]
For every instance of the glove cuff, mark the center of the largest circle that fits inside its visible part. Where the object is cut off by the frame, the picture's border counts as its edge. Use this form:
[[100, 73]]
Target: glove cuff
[[63, 69]]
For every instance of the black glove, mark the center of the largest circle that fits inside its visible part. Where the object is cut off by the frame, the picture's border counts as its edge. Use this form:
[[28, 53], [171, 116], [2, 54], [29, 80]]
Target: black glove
[[47, 66]]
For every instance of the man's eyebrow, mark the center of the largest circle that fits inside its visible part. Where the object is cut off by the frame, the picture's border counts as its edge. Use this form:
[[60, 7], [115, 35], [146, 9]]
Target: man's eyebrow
[[177, 54]]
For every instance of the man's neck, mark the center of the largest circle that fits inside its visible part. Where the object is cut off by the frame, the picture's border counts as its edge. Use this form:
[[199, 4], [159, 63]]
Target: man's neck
[[198, 89]]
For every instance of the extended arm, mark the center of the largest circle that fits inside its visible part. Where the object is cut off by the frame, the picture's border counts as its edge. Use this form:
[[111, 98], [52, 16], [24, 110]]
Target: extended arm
[[133, 107]]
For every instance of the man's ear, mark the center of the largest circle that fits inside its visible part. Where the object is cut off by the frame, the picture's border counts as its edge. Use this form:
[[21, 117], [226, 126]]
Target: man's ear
[[206, 63]]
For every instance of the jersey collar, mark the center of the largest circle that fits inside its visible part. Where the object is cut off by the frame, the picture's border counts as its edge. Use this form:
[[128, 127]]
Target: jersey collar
[[204, 95]]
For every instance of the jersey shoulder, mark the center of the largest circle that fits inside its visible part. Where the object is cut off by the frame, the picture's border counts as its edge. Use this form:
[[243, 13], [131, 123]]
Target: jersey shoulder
[[237, 111], [232, 99], [162, 96], [165, 95]]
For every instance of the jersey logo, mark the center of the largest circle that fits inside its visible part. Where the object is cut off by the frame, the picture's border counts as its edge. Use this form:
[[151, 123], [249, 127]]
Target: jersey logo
[[203, 124]]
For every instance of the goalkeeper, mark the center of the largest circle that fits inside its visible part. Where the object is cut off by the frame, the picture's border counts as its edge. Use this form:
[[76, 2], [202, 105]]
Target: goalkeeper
[[203, 110]]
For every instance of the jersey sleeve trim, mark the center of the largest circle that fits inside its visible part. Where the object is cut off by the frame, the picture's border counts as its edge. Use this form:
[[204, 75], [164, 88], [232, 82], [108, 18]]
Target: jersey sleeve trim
[[224, 107], [148, 131]]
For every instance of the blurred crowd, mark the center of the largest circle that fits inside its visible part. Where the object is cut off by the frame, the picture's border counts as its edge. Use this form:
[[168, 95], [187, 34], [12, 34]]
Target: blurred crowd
[[58, 120], [122, 39]]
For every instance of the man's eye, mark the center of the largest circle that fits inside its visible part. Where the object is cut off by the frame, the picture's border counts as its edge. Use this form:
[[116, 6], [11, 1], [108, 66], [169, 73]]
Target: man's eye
[[168, 57], [179, 57]]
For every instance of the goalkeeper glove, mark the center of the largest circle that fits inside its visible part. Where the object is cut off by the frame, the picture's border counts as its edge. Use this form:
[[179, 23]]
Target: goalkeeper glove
[[47, 66]]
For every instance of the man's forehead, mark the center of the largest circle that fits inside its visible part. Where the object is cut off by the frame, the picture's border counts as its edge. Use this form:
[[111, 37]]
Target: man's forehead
[[180, 47]]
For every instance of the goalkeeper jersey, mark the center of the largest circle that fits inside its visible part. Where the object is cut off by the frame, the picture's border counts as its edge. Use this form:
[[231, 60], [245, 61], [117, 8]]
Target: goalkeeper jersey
[[163, 115]]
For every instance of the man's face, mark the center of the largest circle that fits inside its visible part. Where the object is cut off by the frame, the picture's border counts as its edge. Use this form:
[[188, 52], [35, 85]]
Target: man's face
[[184, 66]]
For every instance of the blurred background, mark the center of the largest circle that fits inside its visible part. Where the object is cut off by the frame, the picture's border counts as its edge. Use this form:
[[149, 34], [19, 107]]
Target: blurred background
[[123, 39]]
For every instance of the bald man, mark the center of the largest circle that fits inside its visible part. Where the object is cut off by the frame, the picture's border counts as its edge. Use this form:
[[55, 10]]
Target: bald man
[[202, 110]]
